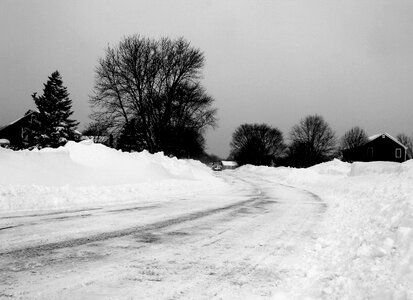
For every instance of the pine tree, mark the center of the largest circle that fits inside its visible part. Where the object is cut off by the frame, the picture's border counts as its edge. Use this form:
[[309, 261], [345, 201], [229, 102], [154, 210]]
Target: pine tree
[[55, 126]]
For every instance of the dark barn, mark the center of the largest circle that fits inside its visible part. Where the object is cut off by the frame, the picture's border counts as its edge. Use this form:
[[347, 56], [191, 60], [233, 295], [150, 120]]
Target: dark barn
[[18, 132], [381, 147]]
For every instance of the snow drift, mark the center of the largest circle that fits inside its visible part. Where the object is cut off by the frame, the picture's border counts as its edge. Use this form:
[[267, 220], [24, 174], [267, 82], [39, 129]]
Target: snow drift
[[85, 163], [81, 174], [364, 248]]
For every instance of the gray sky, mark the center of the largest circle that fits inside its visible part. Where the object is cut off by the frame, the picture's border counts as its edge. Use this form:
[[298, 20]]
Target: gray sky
[[266, 60]]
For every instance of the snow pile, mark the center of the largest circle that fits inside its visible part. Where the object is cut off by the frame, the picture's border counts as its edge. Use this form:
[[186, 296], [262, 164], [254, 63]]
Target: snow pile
[[134, 167], [364, 245], [81, 174]]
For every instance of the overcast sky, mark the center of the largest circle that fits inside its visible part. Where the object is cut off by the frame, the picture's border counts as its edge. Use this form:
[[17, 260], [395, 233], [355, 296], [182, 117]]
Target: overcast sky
[[267, 61]]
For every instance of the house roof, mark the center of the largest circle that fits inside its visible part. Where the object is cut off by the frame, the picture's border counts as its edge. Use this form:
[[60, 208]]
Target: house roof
[[229, 163], [373, 137], [28, 113]]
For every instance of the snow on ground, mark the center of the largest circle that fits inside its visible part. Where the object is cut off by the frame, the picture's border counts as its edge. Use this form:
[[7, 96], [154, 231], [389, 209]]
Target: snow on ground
[[85, 174], [364, 248]]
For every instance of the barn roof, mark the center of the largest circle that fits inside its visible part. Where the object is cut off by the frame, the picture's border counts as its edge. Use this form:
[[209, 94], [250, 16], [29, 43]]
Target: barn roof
[[373, 137]]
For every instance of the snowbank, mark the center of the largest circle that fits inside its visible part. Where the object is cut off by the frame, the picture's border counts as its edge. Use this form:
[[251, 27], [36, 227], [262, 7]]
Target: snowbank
[[81, 174], [364, 245]]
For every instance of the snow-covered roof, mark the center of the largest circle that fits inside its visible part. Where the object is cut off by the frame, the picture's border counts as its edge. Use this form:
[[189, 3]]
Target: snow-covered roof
[[228, 163], [373, 137], [28, 113]]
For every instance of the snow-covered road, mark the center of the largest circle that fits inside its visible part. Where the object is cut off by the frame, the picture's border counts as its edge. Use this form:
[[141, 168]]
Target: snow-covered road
[[206, 246]]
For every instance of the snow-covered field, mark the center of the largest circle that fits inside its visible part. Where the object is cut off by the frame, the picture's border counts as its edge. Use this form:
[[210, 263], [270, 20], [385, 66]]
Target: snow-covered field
[[92, 222]]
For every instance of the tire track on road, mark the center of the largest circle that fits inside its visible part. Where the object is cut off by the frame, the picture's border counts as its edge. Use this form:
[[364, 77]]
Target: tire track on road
[[38, 250]]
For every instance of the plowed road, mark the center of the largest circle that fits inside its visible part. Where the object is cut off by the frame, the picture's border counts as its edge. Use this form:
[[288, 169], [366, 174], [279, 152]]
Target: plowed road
[[238, 246]]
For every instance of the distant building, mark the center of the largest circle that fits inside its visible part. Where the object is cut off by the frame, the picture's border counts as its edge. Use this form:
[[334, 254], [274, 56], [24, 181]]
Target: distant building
[[380, 147], [228, 164], [17, 132], [106, 140]]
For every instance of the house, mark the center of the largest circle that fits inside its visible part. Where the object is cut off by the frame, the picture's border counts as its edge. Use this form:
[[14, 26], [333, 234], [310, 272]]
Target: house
[[17, 132], [380, 147], [228, 164], [224, 165]]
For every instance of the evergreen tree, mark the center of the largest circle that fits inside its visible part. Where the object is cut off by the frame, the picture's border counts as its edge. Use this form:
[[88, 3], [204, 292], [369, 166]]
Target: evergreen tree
[[55, 126]]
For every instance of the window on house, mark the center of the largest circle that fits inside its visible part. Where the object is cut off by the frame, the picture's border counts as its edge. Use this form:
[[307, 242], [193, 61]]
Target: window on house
[[398, 153]]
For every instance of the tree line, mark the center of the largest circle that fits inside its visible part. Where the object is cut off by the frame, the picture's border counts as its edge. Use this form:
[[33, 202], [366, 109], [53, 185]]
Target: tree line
[[312, 141], [148, 95]]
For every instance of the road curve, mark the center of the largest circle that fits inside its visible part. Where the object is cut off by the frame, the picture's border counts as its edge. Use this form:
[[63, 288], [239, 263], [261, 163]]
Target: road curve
[[242, 249]]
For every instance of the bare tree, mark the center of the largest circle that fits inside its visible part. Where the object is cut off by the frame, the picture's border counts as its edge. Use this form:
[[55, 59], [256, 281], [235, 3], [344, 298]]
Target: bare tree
[[408, 142], [152, 87], [312, 142], [257, 144], [353, 138]]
